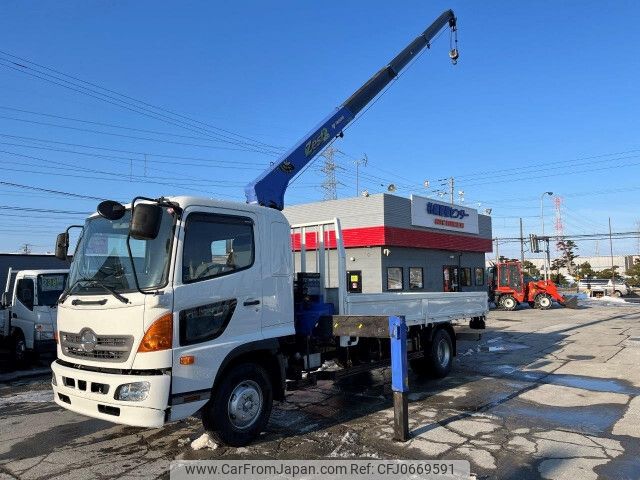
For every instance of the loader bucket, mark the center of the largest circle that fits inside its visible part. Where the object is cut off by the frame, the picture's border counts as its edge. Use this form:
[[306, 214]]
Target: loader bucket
[[569, 302]]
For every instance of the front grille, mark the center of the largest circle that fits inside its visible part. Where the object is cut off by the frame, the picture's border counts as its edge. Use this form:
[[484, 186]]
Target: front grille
[[107, 348]]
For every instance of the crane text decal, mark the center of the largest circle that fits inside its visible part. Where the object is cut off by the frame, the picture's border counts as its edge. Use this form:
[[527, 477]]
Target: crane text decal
[[313, 144]]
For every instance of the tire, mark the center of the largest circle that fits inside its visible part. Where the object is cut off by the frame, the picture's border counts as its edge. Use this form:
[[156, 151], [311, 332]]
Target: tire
[[440, 354], [508, 302], [543, 302], [19, 354], [227, 420]]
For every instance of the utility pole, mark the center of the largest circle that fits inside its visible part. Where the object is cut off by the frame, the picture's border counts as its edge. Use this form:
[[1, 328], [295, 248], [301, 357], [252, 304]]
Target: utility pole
[[613, 272], [521, 244], [548, 258], [329, 169], [497, 252], [363, 161]]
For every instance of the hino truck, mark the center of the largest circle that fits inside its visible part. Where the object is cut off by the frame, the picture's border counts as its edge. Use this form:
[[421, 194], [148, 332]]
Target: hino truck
[[28, 312], [177, 305]]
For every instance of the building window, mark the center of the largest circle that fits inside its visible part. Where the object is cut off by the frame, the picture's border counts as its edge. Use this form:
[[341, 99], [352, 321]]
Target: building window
[[465, 281], [416, 279], [479, 275], [394, 278]]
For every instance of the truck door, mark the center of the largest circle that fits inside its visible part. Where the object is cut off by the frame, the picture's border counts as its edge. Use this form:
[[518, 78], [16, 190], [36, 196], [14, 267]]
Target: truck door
[[22, 309], [217, 296]]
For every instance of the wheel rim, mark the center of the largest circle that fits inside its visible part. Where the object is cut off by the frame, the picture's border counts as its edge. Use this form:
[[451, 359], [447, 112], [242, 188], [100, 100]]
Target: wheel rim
[[508, 303], [545, 302], [444, 353], [245, 404], [20, 349]]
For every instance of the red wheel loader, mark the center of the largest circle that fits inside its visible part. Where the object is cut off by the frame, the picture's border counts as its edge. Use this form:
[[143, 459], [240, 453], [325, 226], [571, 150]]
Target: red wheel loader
[[508, 288]]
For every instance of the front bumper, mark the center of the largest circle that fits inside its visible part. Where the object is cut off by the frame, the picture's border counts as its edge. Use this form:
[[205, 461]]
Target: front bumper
[[92, 394]]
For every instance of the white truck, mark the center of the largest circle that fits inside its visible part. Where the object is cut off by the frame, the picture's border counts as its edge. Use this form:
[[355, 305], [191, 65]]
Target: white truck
[[28, 311], [181, 304]]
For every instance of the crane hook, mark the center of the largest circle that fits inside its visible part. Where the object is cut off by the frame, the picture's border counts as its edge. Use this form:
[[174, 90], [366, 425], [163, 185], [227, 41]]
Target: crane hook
[[453, 43], [453, 55]]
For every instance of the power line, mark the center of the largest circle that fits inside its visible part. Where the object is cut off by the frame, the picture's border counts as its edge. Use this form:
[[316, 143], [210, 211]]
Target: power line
[[77, 85]]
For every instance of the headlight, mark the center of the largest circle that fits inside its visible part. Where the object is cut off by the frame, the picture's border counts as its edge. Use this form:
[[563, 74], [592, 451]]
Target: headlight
[[133, 392]]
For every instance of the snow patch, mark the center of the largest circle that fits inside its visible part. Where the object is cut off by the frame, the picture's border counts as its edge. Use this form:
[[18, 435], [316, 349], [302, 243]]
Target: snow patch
[[38, 396], [204, 441]]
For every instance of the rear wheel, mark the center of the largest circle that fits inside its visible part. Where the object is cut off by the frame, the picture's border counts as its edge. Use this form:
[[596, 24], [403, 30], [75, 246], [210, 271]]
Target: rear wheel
[[617, 293], [240, 407], [507, 302], [440, 354], [543, 302]]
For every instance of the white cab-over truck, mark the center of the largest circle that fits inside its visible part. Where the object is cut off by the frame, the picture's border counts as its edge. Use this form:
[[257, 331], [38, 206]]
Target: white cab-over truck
[[28, 311], [180, 304]]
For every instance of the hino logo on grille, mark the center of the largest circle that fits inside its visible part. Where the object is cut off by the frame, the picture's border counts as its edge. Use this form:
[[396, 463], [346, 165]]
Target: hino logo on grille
[[88, 340]]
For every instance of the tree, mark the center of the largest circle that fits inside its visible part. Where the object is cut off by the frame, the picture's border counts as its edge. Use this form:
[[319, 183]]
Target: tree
[[608, 273], [634, 272], [568, 247], [584, 270], [556, 265], [530, 269]]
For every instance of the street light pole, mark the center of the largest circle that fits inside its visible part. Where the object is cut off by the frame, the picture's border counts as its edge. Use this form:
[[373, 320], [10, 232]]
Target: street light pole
[[547, 260]]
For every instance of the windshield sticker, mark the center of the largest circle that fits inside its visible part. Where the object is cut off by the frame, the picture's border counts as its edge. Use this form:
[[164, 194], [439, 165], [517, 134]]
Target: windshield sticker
[[50, 283]]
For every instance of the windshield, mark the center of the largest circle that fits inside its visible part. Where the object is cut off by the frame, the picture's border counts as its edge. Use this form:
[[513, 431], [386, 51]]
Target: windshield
[[50, 287], [102, 255]]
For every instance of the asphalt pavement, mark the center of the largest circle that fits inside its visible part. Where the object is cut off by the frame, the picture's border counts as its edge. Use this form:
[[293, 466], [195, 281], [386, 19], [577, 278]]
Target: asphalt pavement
[[545, 394]]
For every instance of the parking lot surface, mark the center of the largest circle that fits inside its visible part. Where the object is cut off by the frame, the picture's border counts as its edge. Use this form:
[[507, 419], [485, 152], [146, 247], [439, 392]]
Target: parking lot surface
[[545, 394]]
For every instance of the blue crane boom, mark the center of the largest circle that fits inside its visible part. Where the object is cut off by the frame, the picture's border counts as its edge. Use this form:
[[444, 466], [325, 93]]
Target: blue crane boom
[[269, 188]]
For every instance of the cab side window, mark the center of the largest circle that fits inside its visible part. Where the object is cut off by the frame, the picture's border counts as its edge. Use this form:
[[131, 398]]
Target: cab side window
[[24, 289], [216, 245]]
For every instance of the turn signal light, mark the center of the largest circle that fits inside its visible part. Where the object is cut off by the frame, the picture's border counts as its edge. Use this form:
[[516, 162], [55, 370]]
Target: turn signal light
[[159, 336], [55, 336], [187, 360]]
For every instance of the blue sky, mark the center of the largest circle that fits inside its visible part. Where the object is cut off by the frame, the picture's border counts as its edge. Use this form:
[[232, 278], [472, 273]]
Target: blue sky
[[544, 97]]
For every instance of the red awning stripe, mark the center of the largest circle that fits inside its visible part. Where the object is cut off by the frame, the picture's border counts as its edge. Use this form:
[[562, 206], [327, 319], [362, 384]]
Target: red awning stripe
[[397, 237]]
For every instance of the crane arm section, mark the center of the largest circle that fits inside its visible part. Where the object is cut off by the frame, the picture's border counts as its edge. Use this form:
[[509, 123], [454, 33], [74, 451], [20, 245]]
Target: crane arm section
[[269, 188]]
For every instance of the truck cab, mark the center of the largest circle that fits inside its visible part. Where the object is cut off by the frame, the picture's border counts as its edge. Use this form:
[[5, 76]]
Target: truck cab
[[214, 283], [29, 309]]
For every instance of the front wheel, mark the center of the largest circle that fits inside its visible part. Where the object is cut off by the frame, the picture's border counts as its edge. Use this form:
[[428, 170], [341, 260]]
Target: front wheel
[[19, 355], [543, 302], [240, 407]]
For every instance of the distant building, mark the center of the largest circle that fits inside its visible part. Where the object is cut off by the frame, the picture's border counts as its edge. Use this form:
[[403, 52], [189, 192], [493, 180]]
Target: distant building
[[404, 244], [22, 261]]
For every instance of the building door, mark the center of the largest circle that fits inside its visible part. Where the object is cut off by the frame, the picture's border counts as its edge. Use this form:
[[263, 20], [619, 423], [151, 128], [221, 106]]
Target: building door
[[451, 278]]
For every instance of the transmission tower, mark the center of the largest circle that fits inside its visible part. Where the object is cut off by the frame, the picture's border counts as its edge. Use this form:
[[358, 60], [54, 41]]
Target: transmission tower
[[329, 185], [559, 227]]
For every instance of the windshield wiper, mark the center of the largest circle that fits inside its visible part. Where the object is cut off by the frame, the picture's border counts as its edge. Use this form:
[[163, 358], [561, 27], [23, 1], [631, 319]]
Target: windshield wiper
[[92, 281]]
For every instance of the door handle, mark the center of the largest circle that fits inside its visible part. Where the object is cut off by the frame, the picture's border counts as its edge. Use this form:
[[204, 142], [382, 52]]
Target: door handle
[[250, 302]]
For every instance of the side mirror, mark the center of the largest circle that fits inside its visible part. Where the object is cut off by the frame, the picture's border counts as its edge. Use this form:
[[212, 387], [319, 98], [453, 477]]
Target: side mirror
[[62, 245], [145, 221]]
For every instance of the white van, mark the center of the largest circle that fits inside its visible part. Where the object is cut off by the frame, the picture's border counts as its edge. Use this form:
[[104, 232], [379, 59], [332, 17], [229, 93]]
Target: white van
[[603, 286]]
